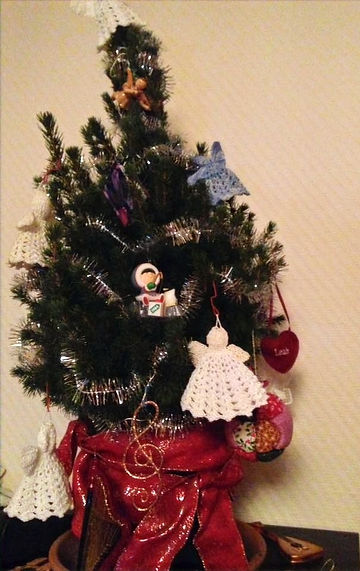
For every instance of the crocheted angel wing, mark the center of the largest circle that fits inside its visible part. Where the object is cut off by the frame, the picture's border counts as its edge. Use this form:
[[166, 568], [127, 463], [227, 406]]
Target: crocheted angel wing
[[47, 437], [40, 210], [239, 353], [197, 350], [27, 221], [29, 460]]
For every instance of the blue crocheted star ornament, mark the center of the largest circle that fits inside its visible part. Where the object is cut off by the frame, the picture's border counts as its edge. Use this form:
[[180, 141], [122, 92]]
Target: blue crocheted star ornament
[[221, 182]]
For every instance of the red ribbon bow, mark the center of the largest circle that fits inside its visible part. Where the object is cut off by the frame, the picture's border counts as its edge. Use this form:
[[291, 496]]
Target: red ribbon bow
[[197, 472]]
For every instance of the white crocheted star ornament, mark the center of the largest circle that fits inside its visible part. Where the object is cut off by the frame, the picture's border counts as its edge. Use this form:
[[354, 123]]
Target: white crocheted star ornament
[[44, 490], [109, 14], [221, 386]]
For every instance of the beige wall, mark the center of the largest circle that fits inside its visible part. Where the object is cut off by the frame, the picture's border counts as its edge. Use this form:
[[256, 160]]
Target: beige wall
[[278, 83]]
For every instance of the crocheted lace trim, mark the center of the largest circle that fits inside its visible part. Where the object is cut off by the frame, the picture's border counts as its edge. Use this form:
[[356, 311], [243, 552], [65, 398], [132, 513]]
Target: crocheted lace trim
[[221, 386], [31, 240], [109, 14]]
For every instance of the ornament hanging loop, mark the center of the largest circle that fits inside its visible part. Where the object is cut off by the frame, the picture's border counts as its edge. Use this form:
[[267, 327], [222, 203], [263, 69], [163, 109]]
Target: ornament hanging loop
[[53, 168], [271, 308], [215, 310]]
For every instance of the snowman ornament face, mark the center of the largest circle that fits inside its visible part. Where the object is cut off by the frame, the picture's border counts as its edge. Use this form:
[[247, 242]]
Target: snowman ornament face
[[149, 280]]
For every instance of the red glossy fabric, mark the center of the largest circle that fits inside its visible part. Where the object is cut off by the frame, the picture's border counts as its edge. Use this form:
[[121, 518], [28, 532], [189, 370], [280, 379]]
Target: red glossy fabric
[[197, 472]]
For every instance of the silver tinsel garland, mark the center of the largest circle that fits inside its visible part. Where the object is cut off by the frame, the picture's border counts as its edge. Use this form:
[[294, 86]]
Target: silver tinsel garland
[[97, 280], [191, 297], [182, 231]]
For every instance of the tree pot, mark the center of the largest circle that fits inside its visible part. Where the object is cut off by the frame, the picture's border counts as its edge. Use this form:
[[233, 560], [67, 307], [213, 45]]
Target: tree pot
[[64, 550]]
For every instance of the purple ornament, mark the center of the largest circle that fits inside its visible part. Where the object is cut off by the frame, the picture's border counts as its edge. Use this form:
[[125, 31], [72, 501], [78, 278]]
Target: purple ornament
[[117, 192]]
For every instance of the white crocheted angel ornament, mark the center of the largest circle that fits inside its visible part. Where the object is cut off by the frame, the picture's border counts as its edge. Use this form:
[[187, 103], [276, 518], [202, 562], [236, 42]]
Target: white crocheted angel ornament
[[221, 386], [109, 14], [31, 241], [44, 490]]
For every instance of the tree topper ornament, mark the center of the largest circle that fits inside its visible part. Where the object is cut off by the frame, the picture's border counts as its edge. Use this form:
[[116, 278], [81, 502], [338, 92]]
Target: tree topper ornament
[[221, 386], [109, 14], [221, 182]]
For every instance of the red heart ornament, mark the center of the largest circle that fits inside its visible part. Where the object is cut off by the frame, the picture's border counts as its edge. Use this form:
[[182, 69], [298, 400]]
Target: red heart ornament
[[280, 352]]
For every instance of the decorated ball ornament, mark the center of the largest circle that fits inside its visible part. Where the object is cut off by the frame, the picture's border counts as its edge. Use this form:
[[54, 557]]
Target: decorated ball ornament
[[265, 435]]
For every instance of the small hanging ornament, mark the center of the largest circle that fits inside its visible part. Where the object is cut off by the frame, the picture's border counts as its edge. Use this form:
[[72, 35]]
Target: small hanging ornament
[[44, 490], [132, 90], [221, 182], [280, 352], [117, 192], [120, 64], [150, 122], [147, 62], [221, 386], [31, 241], [153, 301]]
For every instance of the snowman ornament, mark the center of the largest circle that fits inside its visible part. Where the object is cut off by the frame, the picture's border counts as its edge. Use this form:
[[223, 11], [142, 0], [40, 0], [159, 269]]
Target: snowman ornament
[[221, 385]]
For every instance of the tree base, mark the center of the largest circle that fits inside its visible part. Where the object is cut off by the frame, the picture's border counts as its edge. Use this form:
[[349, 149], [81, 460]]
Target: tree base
[[64, 551]]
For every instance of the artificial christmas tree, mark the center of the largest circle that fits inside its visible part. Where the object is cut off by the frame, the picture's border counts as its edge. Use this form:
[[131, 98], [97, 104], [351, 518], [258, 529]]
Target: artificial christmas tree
[[150, 296]]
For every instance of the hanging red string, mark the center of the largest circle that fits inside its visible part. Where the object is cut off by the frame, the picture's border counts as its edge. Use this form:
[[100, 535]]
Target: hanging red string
[[271, 308], [283, 304], [215, 310], [51, 170]]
